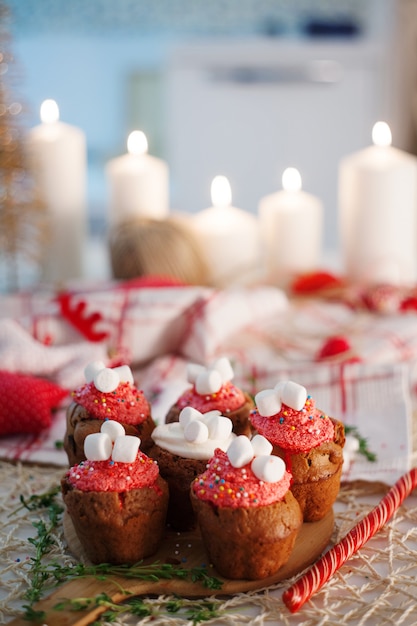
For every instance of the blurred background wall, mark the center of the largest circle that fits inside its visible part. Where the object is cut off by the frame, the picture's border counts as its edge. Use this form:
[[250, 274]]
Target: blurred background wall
[[243, 88]]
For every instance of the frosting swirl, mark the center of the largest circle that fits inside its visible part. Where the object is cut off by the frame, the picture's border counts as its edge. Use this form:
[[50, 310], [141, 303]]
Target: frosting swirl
[[170, 437], [228, 486]]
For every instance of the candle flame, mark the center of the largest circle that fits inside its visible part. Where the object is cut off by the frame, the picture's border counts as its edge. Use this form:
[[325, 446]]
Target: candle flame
[[381, 134], [291, 179], [137, 143], [49, 111], [221, 193]]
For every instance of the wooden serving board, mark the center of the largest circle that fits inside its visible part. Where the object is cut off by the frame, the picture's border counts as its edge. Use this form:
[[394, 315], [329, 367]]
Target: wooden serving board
[[184, 549]]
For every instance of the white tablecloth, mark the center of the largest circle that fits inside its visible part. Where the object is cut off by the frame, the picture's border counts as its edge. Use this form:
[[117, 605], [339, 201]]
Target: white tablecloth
[[266, 336]]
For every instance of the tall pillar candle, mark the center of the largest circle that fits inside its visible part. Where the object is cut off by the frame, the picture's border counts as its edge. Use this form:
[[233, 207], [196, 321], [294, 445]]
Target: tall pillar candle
[[229, 238], [58, 160], [138, 183], [291, 229], [378, 212]]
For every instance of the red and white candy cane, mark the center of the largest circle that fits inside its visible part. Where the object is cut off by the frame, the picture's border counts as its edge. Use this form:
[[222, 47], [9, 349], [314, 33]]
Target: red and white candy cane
[[306, 586]]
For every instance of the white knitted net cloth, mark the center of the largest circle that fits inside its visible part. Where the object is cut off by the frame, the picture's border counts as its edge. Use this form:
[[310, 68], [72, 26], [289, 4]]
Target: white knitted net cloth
[[375, 587]]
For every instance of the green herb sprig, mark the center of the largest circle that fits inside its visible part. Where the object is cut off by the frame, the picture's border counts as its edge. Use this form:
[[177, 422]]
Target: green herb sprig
[[44, 574], [43, 542], [41, 501], [195, 611], [57, 573]]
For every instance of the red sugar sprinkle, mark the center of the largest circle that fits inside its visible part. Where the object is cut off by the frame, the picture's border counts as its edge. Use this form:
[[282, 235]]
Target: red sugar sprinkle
[[221, 480], [227, 399], [113, 476], [127, 404], [297, 431]]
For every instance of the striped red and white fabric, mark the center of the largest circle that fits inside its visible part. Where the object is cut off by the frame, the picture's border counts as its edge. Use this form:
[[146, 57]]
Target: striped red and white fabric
[[267, 338]]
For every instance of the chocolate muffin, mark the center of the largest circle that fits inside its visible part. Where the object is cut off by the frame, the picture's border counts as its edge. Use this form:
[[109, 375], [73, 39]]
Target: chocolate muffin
[[107, 394], [182, 450], [309, 441], [248, 517], [117, 507]]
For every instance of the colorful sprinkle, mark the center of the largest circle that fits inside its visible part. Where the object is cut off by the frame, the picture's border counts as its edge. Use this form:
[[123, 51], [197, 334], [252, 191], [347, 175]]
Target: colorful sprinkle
[[298, 431]]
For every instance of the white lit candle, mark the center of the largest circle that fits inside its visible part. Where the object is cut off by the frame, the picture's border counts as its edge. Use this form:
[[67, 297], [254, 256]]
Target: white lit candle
[[229, 238], [58, 160], [291, 227], [378, 207], [138, 182]]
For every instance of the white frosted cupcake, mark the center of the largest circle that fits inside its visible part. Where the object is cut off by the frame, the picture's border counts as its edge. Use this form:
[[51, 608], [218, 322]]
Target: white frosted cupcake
[[182, 450]]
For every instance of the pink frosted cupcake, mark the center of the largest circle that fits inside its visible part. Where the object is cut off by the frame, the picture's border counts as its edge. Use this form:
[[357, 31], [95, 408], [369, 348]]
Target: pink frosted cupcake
[[109, 393], [116, 498], [248, 517], [310, 442], [212, 390]]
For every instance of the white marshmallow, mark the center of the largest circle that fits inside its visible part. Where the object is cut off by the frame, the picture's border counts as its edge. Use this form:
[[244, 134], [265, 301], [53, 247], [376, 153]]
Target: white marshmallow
[[208, 382], [189, 414], [240, 451], [206, 417], [268, 468], [92, 369], [125, 374], [193, 370], [106, 380], [97, 447], [224, 367], [268, 402], [125, 449], [219, 427], [294, 395], [196, 432], [279, 387], [113, 429], [261, 446]]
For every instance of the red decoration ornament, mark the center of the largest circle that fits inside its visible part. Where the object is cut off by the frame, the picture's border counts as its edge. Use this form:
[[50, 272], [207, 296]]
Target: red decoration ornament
[[333, 346], [26, 403], [312, 282], [409, 304], [77, 317]]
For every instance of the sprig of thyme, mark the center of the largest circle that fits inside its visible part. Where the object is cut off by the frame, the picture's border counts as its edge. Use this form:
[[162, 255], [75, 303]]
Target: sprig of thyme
[[153, 572], [195, 611], [363, 443], [43, 542], [46, 574], [40, 501]]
